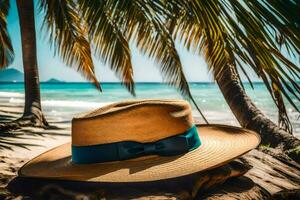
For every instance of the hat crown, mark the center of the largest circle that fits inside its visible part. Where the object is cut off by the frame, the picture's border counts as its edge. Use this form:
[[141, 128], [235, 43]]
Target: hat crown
[[140, 121]]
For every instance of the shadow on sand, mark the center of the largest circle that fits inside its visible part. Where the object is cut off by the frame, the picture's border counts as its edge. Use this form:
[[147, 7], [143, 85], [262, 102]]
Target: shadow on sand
[[179, 188], [18, 138], [21, 137], [51, 189]]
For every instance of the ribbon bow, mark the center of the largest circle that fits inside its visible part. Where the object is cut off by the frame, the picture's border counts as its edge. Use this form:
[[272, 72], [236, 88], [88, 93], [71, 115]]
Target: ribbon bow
[[166, 147]]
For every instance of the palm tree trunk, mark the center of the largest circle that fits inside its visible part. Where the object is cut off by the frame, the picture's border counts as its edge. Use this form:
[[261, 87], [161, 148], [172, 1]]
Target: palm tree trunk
[[250, 117], [32, 110]]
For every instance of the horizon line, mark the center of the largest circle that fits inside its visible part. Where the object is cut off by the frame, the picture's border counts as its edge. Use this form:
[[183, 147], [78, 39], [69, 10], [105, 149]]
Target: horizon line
[[117, 82]]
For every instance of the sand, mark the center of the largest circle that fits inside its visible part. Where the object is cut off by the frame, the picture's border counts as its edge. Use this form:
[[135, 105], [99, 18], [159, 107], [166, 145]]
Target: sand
[[19, 146]]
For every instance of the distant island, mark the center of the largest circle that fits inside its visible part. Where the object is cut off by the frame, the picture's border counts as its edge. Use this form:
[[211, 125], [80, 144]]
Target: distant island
[[16, 76], [53, 80], [11, 75]]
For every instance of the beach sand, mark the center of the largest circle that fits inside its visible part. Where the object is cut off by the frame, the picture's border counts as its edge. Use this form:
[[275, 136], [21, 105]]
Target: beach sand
[[21, 145], [267, 176]]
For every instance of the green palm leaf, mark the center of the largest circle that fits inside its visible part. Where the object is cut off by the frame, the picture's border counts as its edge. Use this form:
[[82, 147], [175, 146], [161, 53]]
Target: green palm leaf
[[141, 22], [6, 49], [114, 22], [240, 34], [108, 41], [68, 36]]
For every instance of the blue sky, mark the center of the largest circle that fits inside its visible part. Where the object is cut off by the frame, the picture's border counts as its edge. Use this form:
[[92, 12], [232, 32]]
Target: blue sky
[[50, 66]]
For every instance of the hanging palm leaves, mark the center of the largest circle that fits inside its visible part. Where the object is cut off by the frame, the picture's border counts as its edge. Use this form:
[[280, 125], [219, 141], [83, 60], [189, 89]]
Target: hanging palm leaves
[[108, 40], [68, 36], [139, 21], [240, 34], [113, 23], [6, 50]]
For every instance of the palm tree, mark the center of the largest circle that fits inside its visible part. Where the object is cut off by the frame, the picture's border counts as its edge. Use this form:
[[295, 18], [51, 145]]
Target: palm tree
[[73, 26], [234, 35], [32, 109], [80, 57]]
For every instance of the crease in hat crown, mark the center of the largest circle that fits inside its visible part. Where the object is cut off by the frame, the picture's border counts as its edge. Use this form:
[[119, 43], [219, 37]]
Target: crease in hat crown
[[139, 120]]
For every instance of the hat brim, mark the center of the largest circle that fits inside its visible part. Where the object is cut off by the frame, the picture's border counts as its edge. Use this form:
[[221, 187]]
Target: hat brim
[[220, 145]]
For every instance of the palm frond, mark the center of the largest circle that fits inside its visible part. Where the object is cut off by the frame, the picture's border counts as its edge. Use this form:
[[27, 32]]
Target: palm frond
[[142, 22], [6, 49], [231, 34], [113, 23], [263, 48], [68, 36], [109, 42]]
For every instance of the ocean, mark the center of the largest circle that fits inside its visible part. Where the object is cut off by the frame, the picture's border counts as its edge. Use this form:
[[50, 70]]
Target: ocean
[[64, 100]]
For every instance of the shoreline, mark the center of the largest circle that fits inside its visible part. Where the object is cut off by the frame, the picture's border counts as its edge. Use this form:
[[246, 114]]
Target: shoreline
[[71, 99]]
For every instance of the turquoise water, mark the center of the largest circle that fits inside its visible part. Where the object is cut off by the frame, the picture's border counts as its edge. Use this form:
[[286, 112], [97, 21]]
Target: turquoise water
[[67, 99]]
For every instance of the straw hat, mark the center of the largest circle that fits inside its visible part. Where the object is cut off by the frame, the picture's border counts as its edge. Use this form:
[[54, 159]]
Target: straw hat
[[139, 141]]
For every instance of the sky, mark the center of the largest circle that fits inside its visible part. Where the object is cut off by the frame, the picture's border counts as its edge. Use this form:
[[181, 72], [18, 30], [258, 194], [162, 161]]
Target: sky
[[50, 66]]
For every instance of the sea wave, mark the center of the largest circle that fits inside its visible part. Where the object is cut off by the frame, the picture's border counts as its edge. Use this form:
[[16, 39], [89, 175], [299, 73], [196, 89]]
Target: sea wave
[[80, 104], [223, 116], [11, 94], [64, 103]]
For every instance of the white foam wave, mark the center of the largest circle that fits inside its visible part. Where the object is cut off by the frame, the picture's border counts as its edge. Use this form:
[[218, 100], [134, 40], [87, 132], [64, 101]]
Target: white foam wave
[[77, 104], [16, 100], [11, 94], [65, 103]]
